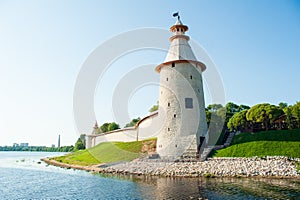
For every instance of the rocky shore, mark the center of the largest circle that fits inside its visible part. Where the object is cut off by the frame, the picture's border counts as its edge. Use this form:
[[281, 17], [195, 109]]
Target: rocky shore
[[281, 167]]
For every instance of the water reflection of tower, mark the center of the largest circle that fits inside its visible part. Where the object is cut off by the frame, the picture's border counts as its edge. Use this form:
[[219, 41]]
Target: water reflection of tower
[[58, 145], [177, 188]]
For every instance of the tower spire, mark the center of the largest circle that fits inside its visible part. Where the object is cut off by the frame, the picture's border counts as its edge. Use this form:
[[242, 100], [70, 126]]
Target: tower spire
[[180, 50], [95, 128], [96, 125]]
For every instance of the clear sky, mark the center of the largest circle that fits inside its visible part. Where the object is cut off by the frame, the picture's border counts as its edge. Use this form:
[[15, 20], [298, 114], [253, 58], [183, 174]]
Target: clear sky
[[254, 44]]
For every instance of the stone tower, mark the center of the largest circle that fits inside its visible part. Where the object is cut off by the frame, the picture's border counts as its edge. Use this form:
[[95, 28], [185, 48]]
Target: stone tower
[[181, 99]]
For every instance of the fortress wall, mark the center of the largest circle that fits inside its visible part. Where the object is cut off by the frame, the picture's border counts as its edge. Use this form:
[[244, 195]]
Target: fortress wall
[[146, 128], [121, 135]]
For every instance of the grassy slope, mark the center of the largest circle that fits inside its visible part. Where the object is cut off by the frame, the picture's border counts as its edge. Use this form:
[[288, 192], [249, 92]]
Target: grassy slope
[[282, 135], [105, 153], [265, 143]]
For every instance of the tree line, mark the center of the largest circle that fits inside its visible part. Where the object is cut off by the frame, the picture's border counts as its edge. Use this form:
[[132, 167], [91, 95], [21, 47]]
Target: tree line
[[234, 117], [264, 116], [37, 148], [259, 117]]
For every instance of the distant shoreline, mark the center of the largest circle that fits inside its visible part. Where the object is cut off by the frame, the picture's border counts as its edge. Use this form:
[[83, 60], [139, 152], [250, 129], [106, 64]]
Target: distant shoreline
[[270, 167]]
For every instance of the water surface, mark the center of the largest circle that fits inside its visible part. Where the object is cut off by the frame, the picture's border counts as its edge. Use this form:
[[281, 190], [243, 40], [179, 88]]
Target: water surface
[[23, 177]]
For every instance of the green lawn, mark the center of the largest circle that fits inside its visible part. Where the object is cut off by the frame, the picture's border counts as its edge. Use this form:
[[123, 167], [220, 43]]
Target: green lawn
[[280, 135], [261, 148], [265, 143], [105, 153]]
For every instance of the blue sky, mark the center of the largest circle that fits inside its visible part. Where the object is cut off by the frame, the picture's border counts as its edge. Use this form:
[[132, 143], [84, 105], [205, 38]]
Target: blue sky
[[254, 44]]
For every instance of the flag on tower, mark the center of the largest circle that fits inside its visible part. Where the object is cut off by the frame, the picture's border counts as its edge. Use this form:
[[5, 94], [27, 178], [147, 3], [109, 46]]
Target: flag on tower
[[176, 14]]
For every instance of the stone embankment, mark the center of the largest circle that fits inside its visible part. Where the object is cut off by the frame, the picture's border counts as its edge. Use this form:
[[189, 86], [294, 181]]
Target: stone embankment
[[218, 167]]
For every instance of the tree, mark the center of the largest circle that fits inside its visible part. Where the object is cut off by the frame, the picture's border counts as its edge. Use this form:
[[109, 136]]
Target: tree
[[113, 126], [243, 107], [238, 121], [79, 145], [228, 111], [82, 138], [133, 122], [208, 116], [296, 112], [264, 114], [222, 112], [232, 107], [104, 127], [214, 107], [289, 116], [154, 108], [282, 105]]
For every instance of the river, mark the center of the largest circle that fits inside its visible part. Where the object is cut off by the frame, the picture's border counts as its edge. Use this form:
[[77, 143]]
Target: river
[[23, 176]]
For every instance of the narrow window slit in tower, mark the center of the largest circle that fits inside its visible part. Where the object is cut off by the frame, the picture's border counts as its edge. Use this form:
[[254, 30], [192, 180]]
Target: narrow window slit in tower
[[174, 115], [175, 145], [191, 77], [169, 104], [168, 129], [167, 79], [173, 64]]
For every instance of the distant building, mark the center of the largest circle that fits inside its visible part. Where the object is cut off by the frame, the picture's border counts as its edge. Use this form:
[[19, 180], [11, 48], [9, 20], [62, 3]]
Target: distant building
[[24, 144], [53, 145], [15, 144]]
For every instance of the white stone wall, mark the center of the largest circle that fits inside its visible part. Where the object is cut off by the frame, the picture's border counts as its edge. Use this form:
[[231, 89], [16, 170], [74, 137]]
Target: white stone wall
[[121, 135], [88, 141], [147, 128], [181, 124]]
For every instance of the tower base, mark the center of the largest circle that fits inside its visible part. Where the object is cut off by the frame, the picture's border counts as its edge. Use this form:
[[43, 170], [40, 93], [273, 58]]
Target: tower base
[[191, 153]]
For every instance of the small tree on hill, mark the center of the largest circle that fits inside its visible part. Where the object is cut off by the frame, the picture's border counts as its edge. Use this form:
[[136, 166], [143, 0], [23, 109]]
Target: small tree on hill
[[133, 122], [79, 145], [238, 121], [104, 127], [113, 126], [154, 108]]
